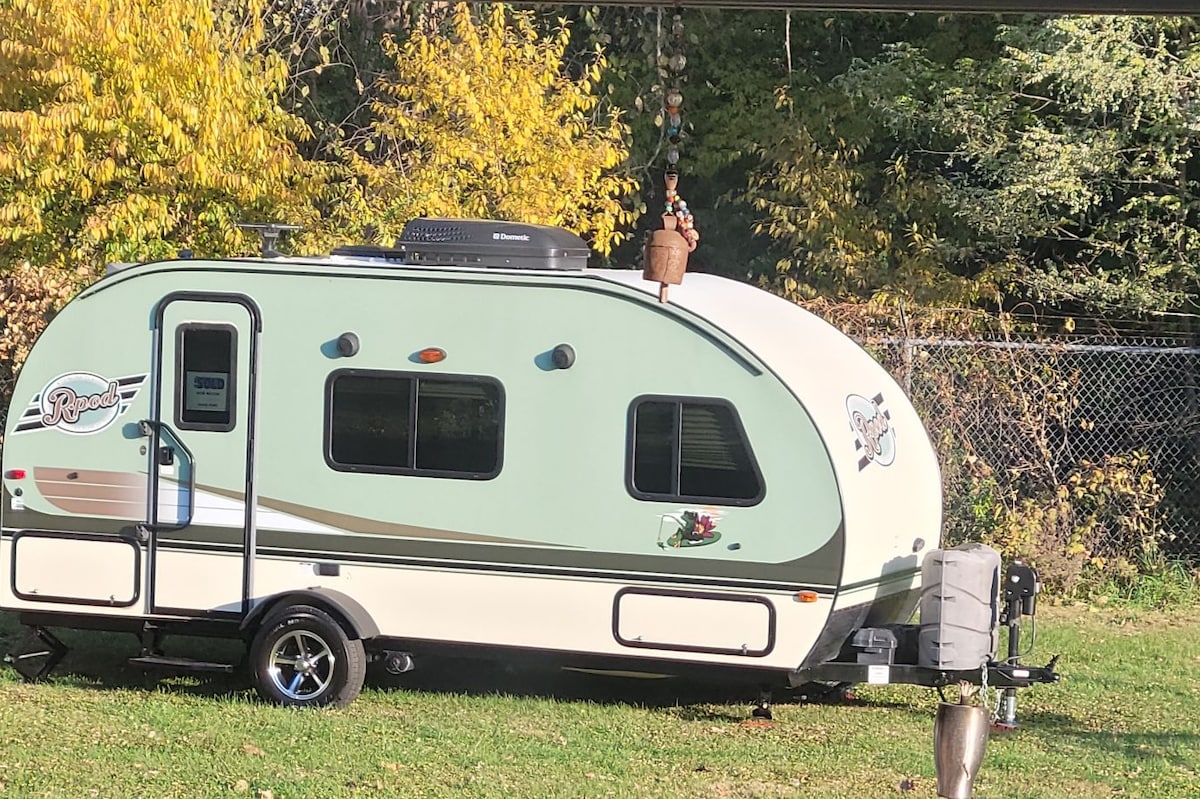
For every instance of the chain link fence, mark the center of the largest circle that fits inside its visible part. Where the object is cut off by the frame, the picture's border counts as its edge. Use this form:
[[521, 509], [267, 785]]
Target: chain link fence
[[1088, 442]]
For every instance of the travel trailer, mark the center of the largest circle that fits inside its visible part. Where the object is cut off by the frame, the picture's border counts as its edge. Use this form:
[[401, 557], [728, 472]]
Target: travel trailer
[[474, 440]]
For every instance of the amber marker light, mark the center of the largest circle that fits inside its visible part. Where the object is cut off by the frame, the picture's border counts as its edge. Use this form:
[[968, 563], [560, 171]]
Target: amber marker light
[[431, 355], [15, 474], [807, 596]]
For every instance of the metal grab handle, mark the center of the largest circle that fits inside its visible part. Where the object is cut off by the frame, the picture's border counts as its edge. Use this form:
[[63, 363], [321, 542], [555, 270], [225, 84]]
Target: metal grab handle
[[156, 431]]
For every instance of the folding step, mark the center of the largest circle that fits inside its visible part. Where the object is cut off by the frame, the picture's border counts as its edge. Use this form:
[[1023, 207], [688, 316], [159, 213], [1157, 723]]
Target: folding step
[[180, 664]]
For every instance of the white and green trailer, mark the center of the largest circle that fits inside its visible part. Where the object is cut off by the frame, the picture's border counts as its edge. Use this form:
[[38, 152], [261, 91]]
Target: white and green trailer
[[471, 440]]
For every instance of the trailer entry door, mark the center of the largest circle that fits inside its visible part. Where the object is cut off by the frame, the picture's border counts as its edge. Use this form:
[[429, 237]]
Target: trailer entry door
[[201, 509]]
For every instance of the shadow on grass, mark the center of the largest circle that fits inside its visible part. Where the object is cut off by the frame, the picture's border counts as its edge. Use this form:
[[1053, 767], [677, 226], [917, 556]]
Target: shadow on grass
[[100, 661], [1132, 746], [686, 697]]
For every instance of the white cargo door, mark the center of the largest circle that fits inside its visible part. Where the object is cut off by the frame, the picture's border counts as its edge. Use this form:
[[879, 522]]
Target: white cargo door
[[686, 621], [76, 568]]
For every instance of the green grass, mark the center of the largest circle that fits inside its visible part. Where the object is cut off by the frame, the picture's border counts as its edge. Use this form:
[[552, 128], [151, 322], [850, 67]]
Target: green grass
[[1158, 583], [1125, 722]]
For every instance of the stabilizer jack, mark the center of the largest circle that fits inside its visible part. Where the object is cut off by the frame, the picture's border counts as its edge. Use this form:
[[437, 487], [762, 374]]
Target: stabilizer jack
[[37, 643]]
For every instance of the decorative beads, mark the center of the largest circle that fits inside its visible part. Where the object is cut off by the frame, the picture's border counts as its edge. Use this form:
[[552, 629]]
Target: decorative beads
[[685, 222], [676, 206]]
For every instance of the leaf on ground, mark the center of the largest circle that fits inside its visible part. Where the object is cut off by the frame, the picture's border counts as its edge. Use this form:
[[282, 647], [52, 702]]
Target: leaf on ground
[[241, 786], [251, 749]]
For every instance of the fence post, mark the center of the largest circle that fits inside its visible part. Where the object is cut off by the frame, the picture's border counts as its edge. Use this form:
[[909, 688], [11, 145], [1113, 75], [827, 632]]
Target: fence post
[[906, 353]]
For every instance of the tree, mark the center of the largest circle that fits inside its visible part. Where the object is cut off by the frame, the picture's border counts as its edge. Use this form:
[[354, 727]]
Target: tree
[[1062, 156], [484, 122], [853, 216], [131, 128]]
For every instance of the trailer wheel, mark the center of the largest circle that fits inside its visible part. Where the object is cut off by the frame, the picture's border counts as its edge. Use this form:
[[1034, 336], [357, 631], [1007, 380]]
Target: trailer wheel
[[302, 657]]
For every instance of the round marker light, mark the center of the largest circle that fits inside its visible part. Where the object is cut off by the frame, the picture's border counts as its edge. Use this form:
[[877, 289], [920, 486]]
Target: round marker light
[[563, 356], [431, 355], [347, 345]]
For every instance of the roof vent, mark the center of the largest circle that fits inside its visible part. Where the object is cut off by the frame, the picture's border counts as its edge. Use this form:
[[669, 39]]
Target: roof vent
[[481, 243]]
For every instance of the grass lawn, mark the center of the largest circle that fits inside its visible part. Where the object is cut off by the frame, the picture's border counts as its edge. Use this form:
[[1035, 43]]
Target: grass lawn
[[1124, 722]]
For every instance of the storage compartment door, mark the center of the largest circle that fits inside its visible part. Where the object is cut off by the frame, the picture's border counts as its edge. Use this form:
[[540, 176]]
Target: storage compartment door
[[76, 569], [689, 621]]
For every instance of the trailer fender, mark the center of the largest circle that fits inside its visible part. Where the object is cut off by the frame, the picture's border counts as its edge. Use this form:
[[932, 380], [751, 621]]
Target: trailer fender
[[349, 611]]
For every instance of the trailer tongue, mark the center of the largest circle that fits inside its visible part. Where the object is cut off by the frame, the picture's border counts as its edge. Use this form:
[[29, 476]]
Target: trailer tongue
[[963, 607]]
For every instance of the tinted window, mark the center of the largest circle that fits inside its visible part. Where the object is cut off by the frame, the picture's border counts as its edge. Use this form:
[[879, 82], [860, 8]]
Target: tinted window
[[655, 467], [404, 424], [204, 391], [693, 450], [458, 426], [370, 421], [714, 457]]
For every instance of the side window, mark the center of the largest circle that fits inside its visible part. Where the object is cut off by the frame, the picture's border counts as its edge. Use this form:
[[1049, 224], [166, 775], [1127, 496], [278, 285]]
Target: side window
[[690, 449], [369, 421], [206, 371], [397, 423]]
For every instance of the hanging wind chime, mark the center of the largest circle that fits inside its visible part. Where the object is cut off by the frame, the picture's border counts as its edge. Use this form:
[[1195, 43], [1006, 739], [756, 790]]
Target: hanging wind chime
[[667, 249]]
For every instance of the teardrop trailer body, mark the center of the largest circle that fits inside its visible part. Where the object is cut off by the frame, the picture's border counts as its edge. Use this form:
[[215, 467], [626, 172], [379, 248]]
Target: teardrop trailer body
[[475, 441]]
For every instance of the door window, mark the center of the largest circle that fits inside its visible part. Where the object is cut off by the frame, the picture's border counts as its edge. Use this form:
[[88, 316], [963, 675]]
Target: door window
[[205, 397]]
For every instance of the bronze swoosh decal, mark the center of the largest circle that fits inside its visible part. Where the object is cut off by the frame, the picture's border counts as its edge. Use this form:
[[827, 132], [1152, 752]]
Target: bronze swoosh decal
[[361, 524], [819, 568], [92, 492]]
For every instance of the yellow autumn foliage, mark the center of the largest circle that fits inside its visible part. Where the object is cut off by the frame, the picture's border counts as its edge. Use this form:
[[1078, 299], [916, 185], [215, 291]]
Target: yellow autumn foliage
[[483, 121], [29, 296], [132, 128]]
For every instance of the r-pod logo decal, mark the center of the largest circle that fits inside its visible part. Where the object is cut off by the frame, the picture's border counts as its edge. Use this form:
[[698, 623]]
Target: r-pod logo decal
[[875, 440], [79, 403]]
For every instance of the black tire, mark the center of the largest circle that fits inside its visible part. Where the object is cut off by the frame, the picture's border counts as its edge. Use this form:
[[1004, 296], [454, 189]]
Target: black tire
[[301, 657]]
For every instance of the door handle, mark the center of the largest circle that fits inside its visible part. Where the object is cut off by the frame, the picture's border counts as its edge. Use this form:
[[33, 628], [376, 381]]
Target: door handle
[[164, 455]]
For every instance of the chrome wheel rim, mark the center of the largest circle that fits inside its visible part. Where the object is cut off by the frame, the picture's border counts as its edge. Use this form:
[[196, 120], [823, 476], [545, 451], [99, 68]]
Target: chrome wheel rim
[[301, 665]]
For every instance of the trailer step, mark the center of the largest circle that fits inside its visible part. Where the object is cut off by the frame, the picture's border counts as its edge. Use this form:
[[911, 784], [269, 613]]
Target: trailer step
[[181, 664]]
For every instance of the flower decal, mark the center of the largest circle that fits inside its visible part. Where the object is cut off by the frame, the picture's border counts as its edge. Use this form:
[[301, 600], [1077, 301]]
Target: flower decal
[[695, 529]]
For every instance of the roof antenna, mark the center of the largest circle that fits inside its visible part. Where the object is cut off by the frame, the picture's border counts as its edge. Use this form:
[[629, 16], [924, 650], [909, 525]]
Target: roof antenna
[[269, 233]]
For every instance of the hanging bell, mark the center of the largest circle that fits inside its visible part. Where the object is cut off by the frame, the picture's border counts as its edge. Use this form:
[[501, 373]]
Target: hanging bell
[[665, 257], [960, 734]]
